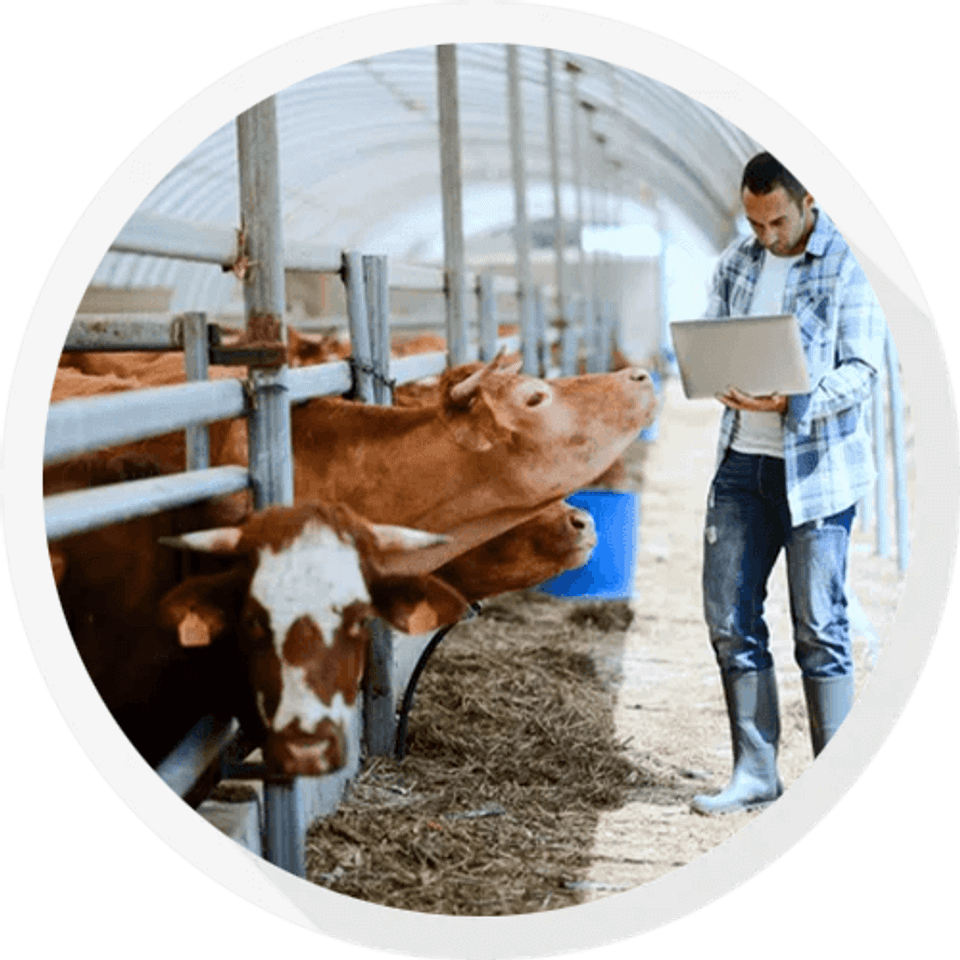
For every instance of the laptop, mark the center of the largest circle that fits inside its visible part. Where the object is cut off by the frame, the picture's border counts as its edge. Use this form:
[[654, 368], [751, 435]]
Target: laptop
[[759, 355]]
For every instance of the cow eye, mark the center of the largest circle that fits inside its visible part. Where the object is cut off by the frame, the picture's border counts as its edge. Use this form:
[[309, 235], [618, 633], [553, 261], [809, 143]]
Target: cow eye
[[256, 625], [535, 399]]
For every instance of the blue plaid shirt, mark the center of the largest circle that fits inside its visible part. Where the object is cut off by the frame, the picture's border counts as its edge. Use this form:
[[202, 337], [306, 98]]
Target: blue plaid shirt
[[828, 454]]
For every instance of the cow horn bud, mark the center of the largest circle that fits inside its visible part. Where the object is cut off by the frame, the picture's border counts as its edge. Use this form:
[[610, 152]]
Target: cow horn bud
[[394, 539], [465, 389], [219, 540]]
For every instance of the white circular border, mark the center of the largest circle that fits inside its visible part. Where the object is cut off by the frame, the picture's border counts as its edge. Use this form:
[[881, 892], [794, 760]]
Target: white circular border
[[752, 848]]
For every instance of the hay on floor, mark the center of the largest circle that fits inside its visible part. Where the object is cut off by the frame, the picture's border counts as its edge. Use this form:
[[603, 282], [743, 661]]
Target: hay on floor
[[511, 756]]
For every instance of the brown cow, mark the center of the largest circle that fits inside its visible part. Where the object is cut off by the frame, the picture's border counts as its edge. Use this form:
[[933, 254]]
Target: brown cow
[[557, 539], [497, 442], [110, 582]]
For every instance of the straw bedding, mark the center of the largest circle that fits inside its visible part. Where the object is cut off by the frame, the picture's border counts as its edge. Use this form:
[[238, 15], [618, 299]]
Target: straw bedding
[[511, 757]]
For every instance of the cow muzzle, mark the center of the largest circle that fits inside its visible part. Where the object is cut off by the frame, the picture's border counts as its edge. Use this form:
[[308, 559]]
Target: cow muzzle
[[293, 753], [648, 393], [586, 529]]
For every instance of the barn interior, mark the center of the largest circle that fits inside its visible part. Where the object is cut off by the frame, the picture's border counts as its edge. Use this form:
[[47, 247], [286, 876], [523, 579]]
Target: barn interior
[[597, 200], [646, 185]]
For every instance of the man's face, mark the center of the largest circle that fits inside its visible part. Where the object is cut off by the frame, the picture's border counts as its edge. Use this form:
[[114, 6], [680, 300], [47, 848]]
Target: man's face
[[779, 224]]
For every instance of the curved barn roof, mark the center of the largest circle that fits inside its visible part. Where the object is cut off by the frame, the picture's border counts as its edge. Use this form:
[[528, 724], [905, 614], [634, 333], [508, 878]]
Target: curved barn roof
[[360, 160]]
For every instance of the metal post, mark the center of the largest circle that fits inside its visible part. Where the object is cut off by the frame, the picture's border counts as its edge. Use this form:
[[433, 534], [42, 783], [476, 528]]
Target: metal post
[[378, 322], [521, 226], [487, 310], [196, 352], [880, 455], [666, 342], [596, 319], [541, 347], [452, 191], [379, 699], [270, 435], [260, 221], [573, 70], [606, 335], [558, 232], [899, 464], [359, 325], [271, 464], [617, 279], [569, 341], [865, 508]]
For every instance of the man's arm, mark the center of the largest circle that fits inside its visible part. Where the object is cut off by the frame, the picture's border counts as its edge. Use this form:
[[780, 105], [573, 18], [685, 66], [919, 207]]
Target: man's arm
[[860, 341]]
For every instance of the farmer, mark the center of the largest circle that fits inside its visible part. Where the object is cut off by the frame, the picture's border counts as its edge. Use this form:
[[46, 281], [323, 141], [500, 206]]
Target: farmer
[[790, 471]]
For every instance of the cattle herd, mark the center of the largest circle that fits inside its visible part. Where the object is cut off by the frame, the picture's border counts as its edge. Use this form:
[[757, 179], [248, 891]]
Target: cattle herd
[[407, 512]]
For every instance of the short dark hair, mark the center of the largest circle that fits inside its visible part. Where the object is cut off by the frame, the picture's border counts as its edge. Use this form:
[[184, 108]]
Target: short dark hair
[[765, 172]]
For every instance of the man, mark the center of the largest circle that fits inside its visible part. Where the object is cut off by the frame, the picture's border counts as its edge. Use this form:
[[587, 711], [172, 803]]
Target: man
[[790, 471]]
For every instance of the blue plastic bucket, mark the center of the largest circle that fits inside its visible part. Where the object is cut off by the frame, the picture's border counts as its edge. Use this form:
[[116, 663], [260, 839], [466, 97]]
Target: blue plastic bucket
[[609, 571]]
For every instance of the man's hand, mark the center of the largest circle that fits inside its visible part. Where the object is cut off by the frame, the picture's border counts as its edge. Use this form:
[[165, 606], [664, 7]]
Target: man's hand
[[737, 400]]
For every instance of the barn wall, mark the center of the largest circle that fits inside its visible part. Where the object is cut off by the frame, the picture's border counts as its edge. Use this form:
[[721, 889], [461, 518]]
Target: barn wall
[[100, 299]]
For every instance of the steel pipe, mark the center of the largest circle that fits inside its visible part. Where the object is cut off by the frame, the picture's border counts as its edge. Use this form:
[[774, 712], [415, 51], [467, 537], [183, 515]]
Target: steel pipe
[[80, 511], [92, 423]]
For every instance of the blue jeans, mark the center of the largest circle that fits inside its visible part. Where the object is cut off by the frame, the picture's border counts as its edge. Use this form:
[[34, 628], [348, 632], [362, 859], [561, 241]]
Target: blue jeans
[[747, 524]]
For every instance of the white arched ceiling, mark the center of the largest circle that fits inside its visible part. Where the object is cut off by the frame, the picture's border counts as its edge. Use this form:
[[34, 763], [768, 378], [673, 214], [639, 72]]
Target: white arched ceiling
[[360, 166]]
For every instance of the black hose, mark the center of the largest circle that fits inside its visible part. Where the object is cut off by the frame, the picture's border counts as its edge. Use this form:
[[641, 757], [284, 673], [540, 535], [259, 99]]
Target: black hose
[[400, 745]]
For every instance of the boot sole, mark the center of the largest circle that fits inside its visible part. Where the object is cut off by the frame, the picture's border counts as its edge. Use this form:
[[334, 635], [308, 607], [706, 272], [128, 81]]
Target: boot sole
[[740, 808]]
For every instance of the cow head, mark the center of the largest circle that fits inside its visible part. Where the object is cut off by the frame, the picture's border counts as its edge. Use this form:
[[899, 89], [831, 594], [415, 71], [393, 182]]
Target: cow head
[[557, 539], [305, 582], [541, 439]]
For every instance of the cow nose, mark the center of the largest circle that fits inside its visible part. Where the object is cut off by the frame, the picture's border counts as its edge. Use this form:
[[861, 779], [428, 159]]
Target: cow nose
[[581, 520]]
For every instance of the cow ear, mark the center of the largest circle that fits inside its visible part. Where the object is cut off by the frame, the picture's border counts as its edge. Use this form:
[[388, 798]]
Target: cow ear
[[477, 428], [202, 608], [416, 605], [58, 562]]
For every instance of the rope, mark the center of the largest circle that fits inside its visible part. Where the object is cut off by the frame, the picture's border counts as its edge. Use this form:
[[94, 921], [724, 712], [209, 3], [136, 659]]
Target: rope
[[363, 367]]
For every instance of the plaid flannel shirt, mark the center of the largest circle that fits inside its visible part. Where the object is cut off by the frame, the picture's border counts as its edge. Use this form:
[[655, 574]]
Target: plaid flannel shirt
[[828, 454]]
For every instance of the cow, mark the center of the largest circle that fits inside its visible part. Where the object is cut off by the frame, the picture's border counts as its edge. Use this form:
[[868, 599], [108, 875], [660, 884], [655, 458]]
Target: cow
[[559, 538], [273, 629], [426, 392], [110, 582], [303, 584], [497, 444], [304, 349]]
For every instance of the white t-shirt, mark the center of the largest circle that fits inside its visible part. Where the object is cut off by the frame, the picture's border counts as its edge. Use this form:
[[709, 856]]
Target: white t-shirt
[[763, 432]]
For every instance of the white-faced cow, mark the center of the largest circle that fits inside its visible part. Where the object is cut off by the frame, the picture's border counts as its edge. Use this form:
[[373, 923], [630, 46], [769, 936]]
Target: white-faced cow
[[303, 584]]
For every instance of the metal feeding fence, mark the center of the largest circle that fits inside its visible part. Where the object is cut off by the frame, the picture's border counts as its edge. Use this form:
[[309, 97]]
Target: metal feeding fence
[[216, 747]]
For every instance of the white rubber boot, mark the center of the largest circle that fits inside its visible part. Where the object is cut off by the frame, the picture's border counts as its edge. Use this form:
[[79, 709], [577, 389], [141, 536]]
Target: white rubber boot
[[755, 732]]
